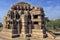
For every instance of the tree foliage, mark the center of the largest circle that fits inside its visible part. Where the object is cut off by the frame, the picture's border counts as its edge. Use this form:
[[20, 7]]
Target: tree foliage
[[53, 24], [1, 25]]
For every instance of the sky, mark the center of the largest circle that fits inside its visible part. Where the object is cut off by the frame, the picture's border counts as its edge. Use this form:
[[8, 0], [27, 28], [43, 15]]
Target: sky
[[51, 7]]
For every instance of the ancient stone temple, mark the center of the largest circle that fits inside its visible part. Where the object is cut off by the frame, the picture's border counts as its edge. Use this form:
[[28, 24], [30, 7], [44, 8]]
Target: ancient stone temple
[[24, 20]]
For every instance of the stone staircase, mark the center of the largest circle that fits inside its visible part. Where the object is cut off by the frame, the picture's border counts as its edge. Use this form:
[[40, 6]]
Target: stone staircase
[[50, 35]]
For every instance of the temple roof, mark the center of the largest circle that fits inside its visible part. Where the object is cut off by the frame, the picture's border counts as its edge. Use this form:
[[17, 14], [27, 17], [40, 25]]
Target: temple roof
[[22, 3], [25, 6]]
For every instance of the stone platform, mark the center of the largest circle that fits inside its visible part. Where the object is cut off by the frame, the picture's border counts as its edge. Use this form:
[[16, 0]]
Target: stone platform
[[33, 38]]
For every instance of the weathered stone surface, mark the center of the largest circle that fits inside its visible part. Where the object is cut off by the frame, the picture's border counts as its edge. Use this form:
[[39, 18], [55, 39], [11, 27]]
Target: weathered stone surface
[[24, 19]]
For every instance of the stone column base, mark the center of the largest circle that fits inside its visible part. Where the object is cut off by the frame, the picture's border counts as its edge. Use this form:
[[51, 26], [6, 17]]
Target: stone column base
[[22, 35], [37, 33], [6, 35]]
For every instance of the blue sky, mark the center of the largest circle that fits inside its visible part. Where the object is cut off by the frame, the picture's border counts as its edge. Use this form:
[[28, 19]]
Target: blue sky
[[51, 7]]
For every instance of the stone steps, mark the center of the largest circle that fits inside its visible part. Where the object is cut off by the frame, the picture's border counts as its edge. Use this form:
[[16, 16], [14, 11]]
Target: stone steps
[[51, 35]]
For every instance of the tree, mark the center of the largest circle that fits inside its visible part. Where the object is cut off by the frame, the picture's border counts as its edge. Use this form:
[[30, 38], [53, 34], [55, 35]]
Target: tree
[[57, 24], [1, 25], [53, 24]]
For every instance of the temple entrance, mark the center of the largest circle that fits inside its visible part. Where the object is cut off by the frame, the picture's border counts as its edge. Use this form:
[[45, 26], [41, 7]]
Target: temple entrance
[[15, 28]]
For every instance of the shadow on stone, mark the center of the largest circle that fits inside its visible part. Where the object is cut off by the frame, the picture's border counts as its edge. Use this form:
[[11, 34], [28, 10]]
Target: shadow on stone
[[14, 36]]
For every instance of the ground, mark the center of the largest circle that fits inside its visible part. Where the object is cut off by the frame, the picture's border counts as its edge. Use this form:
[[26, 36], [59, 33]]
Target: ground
[[34, 38], [58, 38]]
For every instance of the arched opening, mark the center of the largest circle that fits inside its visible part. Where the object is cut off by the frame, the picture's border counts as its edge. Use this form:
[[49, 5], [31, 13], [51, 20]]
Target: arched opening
[[17, 16], [15, 28], [12, 15]]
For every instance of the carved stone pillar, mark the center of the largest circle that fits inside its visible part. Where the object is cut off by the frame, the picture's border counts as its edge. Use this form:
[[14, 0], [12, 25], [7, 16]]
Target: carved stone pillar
[[23, 26]]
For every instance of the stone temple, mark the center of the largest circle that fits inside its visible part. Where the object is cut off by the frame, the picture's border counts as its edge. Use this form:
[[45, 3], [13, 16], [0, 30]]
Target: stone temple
[[24, 20]]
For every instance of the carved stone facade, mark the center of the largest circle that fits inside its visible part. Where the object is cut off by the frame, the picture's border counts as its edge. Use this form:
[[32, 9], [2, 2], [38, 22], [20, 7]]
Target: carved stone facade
[[24, 20]]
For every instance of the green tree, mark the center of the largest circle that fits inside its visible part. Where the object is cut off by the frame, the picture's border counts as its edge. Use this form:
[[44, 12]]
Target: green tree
[[57, 24], [53, 24], [0, 24]]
